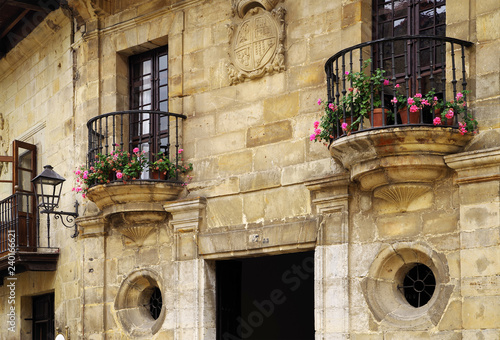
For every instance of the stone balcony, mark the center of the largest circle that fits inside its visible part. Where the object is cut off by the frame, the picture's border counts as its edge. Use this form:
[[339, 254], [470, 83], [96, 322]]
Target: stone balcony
[[398, 164]]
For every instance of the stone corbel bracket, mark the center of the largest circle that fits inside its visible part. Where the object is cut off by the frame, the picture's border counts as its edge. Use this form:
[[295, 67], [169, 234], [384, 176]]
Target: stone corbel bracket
[[187, 217], [256, 41], [134, 209], [398, 165]]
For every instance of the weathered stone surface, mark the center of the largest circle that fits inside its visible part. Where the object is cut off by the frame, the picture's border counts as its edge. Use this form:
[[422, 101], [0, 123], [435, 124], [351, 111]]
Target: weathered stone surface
[[480, 312], [269, 133], [268, 189]]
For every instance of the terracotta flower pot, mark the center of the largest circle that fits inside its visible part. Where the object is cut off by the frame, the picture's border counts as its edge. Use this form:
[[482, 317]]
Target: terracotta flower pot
[[444, 121], [155, 174], [414, 116], [378, 117]]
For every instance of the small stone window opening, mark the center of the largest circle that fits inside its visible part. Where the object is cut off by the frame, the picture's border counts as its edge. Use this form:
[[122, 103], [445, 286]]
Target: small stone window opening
[[155, 303], [418, 285]]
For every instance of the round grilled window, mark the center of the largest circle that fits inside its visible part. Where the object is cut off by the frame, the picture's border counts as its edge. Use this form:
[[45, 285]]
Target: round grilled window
[[155, 303], [139, 304], [418, 285]]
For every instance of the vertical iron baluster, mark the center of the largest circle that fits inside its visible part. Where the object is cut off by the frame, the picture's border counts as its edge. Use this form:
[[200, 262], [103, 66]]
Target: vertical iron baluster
[[344, 91], [114, 117], [431, 66], [407, 81], [48, 230], [16, 219], [464, 79], [329, 82], [443, 70], [419, 73], [419, 78], [382, 93], [37, 224], [337, 95], [122, 138], [106, 136], [89, 147], [28, 229], [394, 79], [176, 146], [453, 71], [100, 136]]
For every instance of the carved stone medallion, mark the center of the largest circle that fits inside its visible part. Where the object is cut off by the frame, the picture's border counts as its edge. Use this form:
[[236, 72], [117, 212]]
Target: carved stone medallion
[[257, 45]]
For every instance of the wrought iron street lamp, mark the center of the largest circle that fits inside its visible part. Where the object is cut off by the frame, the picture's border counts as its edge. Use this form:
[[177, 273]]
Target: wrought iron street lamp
[[48, 186]]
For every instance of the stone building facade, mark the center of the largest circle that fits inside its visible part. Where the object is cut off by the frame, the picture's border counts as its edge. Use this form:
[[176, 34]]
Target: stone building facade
[[264, 200]]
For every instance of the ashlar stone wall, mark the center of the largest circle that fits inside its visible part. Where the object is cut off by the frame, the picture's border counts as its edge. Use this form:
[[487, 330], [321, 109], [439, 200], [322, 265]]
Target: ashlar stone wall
[[36, 105], [260, 186]]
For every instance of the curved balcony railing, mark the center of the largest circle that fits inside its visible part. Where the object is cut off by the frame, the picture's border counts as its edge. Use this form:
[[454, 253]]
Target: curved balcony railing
[[150, 131], [411, 65]]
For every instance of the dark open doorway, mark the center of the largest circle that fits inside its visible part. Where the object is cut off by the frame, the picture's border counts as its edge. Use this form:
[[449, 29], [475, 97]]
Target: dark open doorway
[[266, 298]]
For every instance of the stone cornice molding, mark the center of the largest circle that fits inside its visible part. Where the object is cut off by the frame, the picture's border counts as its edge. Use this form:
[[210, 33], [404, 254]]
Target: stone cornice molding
[[187, 215], [148, 17], [329, 194], [92, 226], [475, 166]]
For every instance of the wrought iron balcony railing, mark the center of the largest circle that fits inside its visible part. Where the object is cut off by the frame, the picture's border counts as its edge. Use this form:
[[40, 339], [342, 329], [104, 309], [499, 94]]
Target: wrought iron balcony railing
[[24, 244], [18, 227], [151, 132], [410, 65]]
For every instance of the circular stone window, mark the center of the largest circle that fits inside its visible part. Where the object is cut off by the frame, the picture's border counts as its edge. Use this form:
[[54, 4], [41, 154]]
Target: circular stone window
[[139, 304], [418, 285], [155, 303], [407, 286]]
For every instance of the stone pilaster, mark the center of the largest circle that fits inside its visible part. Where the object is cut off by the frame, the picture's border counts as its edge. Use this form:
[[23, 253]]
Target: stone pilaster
[[93, 230], [330, 199], [195, 298], [478, 178]]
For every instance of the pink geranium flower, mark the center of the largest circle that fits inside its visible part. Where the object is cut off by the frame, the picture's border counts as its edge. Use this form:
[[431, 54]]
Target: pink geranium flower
[[459, 95], [418, 95], [319, 101], [344, 126], [316, 124], [394, 100], [181, 150], [411, 101], [119, 175], [449, 114], [462, 128], [386, 82], [136, 150], [413, 108], [312, 137], [437, 121]]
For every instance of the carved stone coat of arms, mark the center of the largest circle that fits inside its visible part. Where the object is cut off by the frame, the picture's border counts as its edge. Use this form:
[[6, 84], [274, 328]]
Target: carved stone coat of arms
[[256, 42]]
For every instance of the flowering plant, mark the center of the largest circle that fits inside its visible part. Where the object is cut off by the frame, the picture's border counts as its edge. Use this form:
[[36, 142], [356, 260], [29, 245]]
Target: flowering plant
[[359, 96], [118, 164], [163, 165], [137, 162], [457, 107], [417, 102], [324, 130]]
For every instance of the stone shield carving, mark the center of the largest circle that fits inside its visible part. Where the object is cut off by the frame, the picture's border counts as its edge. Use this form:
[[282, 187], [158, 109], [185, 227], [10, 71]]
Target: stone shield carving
[[257, 45]]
